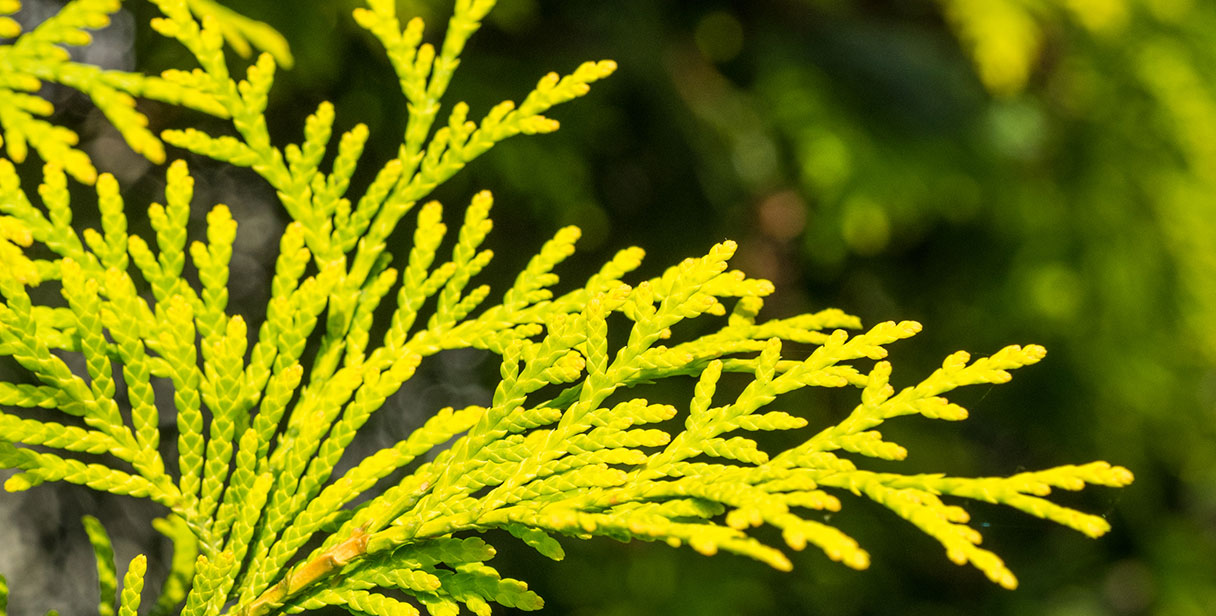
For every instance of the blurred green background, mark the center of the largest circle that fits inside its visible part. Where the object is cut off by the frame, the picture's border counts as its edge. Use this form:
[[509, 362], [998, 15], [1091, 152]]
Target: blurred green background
[[1004, 171]]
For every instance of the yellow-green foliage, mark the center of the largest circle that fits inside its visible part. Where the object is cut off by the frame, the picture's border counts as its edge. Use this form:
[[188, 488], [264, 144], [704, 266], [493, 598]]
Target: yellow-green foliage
[[1005, 37], [40, 55], [564, 447]]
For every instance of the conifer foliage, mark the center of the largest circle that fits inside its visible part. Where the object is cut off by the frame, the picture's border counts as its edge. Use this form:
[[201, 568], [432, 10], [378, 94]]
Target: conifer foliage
[[566, 447]]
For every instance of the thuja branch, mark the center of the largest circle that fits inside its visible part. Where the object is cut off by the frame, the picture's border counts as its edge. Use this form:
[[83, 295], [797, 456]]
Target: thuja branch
[[568, 444]]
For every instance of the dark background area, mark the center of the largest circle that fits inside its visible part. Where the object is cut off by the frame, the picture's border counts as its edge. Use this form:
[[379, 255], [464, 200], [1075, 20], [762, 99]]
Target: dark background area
[[1004, 172]]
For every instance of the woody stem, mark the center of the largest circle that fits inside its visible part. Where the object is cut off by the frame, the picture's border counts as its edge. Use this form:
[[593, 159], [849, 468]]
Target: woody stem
[[305, 575]]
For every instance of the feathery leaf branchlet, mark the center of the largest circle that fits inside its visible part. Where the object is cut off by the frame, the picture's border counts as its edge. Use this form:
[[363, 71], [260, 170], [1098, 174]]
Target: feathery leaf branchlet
[[271, 509]]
